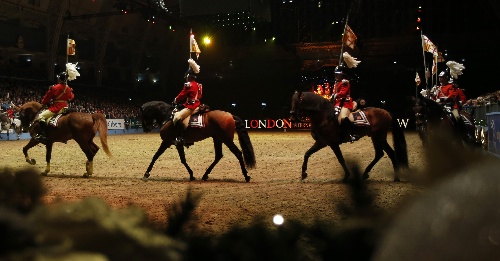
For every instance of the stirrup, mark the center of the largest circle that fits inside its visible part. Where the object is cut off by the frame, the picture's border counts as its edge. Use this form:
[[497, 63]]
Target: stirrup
[[40, 137], [179, 141]]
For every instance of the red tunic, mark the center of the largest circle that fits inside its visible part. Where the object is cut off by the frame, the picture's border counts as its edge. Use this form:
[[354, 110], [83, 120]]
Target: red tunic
[[57, 97], [442, 92], [457, 95], [343, 91], [190, 95]]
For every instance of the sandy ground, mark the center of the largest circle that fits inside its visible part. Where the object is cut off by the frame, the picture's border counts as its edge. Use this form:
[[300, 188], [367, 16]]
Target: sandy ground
[[226, 199]]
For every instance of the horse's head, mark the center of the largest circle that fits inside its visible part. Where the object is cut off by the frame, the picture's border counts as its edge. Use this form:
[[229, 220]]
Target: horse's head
[[295, 107], [28, 112], [154, 114], [420, 110]]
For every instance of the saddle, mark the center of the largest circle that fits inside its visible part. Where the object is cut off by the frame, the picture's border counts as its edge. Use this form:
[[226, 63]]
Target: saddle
[[196, 119], [359, 116], [54, 120]]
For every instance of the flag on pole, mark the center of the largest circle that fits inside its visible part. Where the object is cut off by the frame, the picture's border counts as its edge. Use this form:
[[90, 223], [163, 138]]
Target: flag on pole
[[349, 37], [71, 47], [429, 46], [417, 79], [193, 46], [434, 64]]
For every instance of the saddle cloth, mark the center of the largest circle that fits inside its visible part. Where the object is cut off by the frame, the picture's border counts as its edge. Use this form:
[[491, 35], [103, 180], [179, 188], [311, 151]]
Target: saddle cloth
[[196, 121], [360, 119], [54, 120]]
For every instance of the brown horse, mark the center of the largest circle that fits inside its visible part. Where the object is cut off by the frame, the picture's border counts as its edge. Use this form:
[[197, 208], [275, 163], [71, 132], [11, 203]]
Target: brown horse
[[325, 130], [219, 125], [79, 126]]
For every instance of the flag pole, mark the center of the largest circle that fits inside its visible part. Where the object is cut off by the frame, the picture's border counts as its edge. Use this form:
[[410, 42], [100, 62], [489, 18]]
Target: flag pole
[[425, 64], [67, 58], [342, 40], [190, 43], [67, 41]]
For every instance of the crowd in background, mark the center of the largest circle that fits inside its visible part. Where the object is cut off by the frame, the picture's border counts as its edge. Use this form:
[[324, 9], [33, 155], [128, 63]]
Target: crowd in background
[[16, 92]]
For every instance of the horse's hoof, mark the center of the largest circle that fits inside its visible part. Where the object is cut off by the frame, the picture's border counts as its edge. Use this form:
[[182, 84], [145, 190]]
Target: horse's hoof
[[204, 178], [44, 173], [86, 175], [146, 175], [247, 178], [304, 176], [31, 161], [365, 176], [396, 179]]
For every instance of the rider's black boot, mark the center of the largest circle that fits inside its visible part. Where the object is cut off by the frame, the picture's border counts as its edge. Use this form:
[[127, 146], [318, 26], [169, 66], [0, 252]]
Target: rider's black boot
[[348, 126], [179, 131], [40, 136]]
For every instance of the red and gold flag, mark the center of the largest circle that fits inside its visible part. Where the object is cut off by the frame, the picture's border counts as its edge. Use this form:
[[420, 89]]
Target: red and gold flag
[[429, 46], [71, 47], [193, 46], [349, 37]]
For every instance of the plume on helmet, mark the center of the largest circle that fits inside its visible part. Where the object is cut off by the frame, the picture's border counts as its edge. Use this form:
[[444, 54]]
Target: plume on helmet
[[350, 61], [72, 72], [455, 68], [194, 65]]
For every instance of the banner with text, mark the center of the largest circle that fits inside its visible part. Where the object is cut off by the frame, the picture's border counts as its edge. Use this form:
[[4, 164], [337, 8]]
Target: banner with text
[[116, 124]]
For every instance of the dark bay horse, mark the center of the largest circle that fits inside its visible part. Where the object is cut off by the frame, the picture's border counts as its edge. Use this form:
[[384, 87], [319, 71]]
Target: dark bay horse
[[433, 118], [326, 131], [219, 125], [7, 124], [79, 126]]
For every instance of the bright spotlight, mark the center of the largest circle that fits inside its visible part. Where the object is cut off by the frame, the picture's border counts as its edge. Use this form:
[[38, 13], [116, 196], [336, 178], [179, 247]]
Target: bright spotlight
[[278, 220]]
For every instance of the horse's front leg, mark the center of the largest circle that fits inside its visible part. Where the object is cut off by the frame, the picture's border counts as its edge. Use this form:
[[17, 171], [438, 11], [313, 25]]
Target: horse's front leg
[[315, 147], [182, 156], [32, 143], [340, 158], [218, 156], [89, 169], [48, 156], [163, 146]]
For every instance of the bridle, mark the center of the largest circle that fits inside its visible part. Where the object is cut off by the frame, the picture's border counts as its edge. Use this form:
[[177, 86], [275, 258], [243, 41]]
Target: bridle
[[421, 115]]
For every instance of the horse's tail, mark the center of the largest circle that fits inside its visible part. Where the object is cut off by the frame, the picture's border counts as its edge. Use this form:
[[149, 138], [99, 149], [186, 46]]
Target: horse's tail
[[399, 140], [245, 143], [101, 125]]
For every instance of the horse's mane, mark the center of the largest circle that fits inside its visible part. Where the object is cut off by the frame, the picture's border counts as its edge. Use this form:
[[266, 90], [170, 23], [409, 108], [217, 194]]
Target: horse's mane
[[151, 104], [432, 106], [156, 110], [313, 102], [33, 104]]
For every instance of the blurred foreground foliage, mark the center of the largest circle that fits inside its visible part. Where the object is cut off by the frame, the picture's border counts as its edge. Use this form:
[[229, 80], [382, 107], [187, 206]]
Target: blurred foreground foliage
[[91, 230]]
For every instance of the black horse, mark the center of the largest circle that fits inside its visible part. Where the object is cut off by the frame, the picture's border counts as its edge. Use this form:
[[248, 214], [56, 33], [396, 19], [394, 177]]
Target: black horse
[[325, 130], [434, 118], [219, 125]]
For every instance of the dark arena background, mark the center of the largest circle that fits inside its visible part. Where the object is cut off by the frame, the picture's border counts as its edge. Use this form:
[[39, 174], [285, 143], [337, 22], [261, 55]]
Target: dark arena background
[[254, 55]]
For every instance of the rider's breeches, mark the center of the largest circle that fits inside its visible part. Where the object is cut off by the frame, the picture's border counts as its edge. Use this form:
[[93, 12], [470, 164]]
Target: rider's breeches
[[181, 115], [44, 115], [344, 112], [456, 114]]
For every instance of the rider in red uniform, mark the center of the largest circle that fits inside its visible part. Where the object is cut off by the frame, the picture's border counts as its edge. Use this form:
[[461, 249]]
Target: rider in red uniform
[[56, 100], [189, 96], [445, 84], [341, 97]]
